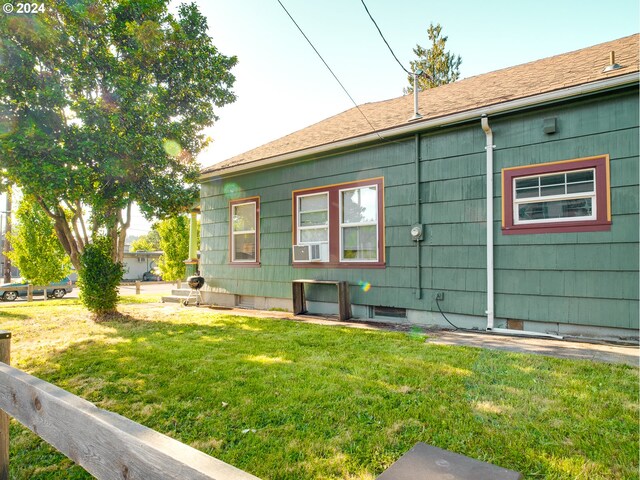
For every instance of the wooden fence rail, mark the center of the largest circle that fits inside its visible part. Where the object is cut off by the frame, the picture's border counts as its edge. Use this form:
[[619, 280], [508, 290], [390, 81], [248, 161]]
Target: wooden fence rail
[[105, 444]]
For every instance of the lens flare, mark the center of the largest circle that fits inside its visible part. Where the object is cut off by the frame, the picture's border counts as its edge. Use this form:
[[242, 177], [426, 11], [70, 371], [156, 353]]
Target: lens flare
[[232, 190], [172, 148], [364, 286], [415, 333]]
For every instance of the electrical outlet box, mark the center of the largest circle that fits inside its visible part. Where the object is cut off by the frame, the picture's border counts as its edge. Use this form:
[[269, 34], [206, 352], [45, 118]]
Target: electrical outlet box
[[417, 232], [440, 296]]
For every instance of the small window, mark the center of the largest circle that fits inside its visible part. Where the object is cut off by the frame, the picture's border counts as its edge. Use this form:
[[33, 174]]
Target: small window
[[557, 197], [567, 196], [244, 221], [313, 222]]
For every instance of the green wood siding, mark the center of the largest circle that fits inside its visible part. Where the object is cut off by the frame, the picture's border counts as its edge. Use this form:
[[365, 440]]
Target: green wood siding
[[579, 278]]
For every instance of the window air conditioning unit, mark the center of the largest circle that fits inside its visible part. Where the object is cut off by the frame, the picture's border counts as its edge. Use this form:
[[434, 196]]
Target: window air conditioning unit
[[307, 253]]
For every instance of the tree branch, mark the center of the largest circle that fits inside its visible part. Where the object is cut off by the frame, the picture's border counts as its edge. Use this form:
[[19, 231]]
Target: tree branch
[[84, 228]]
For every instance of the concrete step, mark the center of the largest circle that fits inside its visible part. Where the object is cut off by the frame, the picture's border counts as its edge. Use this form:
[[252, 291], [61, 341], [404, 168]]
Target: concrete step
[[178, 299], [173, 299]]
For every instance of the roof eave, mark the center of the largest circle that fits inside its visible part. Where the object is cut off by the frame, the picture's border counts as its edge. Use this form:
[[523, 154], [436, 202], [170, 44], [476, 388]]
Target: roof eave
[[414, 127]]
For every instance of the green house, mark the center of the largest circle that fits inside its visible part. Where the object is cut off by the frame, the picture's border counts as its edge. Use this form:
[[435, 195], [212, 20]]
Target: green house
[[407, 215]]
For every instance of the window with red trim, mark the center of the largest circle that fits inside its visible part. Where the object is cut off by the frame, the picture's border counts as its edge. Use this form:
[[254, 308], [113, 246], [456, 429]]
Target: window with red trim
[[244, 225], [566, 196], [345, 220]]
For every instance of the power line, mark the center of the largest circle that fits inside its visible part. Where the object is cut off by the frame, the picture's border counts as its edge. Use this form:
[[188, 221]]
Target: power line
[[385, 40], [329, 68]]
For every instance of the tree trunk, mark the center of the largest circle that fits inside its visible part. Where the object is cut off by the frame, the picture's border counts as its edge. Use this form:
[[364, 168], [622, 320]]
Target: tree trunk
[[67, 241], [74, 244], [112, 233], [122, 234], [63, 232]]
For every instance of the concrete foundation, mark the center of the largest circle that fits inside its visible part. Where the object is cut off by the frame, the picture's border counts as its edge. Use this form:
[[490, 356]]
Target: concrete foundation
[[423, 318]]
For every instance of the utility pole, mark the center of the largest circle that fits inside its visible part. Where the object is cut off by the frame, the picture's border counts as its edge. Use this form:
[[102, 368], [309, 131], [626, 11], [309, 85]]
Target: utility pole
[[7, 246]]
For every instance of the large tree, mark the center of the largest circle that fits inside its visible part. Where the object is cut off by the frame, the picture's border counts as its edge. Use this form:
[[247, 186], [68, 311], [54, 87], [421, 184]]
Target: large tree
[[101, 105], [439, 66]]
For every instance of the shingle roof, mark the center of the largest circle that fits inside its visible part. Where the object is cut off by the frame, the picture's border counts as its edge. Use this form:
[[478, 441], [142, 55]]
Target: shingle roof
[[541, 76]]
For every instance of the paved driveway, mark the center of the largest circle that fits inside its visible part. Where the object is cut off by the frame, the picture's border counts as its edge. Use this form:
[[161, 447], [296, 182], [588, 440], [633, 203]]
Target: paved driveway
[[158, 288]]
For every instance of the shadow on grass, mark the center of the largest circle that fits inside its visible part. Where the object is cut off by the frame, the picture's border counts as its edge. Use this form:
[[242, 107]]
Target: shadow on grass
[[12, 315], [289, 400]]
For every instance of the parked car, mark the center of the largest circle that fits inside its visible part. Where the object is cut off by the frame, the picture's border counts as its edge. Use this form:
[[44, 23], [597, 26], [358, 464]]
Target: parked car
[[151, 277], [54, 290]]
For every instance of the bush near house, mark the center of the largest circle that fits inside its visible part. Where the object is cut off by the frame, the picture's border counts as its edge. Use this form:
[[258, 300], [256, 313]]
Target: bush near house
[[99, 277]]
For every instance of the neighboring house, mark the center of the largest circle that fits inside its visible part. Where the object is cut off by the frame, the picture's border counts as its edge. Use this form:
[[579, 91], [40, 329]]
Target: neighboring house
[[137, 263], [401, 213]]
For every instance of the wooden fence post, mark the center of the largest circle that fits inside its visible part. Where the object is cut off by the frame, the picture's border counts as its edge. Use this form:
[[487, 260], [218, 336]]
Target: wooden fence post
[[5, 355], [29, 293], [137, 287], [45, 293]]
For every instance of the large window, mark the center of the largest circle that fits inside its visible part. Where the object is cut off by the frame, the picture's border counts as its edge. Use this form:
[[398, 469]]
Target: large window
[[345, 221], [359, 224], [557, 197], [245, 231]]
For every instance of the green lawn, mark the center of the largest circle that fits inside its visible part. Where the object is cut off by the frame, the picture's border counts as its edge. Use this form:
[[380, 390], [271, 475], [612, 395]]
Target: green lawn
[[289, 400]]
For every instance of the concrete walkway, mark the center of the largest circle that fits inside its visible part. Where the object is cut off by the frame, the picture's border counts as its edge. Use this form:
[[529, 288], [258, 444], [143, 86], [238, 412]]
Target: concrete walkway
[[598, 352], [629, 355]]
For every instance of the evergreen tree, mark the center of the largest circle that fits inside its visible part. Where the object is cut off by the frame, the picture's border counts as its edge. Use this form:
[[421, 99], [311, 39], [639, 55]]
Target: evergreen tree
[[439, 66]]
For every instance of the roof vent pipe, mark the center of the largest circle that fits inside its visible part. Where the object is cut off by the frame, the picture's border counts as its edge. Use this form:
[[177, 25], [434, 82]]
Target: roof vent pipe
[[416, 113], [612, 63]]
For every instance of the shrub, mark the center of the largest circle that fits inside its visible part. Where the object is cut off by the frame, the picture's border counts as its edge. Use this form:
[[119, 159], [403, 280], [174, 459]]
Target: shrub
[[99, 278], [174, 243]]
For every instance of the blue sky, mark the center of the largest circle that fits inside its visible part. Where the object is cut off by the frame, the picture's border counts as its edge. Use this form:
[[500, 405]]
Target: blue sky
[[282, 86]]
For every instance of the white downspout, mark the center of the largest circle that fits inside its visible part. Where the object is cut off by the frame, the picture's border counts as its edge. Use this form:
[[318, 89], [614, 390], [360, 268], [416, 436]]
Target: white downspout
[[484, 120]]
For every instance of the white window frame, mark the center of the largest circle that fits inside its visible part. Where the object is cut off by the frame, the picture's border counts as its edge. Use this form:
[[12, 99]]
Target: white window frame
[[300, 228], [551, 198], [244, 232], [342, 225]]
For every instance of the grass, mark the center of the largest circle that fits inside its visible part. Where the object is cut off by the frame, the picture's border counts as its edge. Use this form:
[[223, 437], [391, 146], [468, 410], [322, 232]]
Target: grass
[[289, 400]]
